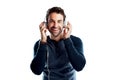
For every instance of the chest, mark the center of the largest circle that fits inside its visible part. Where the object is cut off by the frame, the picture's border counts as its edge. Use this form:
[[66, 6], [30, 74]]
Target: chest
[[57, 54]]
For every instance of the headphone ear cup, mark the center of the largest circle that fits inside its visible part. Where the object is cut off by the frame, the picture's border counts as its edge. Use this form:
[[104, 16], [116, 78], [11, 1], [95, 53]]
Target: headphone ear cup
[[46, 23], [65, 23]]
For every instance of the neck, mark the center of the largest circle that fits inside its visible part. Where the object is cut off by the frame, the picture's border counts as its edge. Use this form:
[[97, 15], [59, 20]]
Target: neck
[[56, 38]]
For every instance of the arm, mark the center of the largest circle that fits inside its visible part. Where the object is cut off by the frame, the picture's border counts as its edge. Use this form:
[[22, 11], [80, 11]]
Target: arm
[[38, 62], [74, 48]]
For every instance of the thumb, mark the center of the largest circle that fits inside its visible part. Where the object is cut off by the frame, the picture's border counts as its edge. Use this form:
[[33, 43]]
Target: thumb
[[65, 30]]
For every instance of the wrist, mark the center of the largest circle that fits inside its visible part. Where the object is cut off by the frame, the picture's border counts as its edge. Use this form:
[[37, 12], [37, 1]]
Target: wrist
[[43, 41], [66, 37]]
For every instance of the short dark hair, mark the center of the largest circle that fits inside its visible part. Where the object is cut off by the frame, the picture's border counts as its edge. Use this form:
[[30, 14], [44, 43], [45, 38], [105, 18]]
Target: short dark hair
[[58, 10]]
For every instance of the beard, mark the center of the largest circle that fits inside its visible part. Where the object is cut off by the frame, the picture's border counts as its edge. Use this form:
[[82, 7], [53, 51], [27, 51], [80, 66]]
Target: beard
[[55, 33]]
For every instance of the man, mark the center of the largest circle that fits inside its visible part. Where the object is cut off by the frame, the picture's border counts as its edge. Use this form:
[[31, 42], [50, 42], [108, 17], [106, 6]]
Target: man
[[60, 54]]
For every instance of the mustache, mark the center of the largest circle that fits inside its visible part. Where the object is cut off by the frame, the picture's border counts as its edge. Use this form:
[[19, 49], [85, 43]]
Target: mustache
[[53, 27]]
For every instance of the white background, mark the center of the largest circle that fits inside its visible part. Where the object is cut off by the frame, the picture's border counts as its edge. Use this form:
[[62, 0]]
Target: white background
[[96, 22]]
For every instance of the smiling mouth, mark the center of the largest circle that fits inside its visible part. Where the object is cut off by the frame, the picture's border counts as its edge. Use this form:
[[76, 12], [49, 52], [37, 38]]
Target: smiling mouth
[[54, 29]]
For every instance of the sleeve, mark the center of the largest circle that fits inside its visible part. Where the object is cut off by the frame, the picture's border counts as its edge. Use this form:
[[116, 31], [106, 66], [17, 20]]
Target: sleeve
[[74, 48], [38, 62]]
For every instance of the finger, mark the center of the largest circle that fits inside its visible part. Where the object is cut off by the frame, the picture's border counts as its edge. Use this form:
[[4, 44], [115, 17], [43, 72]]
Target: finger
[[65, 30], [43, 29], [43, 32], [42, 25], [69, 26]]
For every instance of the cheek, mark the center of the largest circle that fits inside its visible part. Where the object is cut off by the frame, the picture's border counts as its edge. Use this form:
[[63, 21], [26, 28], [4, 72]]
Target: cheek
[[50, 25], [62, 26]]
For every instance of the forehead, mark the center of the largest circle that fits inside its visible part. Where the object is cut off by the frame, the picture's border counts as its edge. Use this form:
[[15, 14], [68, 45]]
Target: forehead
[[55, 16]]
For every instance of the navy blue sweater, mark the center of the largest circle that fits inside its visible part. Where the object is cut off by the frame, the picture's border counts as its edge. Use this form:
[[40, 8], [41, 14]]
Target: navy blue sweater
[[58, 60]]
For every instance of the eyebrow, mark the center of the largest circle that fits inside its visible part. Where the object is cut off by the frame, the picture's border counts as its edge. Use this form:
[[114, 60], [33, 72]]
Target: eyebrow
[[53, 20], [59, 20]]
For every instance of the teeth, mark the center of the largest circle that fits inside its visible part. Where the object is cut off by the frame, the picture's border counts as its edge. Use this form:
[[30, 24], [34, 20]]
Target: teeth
[[55, 29]]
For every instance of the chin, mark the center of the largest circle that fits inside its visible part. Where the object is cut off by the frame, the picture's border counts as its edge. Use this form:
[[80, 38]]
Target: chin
[[56, 35]]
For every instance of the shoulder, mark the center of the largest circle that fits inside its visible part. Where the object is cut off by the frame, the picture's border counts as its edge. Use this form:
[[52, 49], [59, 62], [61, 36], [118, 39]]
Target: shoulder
[[76, 40], [36, 44]]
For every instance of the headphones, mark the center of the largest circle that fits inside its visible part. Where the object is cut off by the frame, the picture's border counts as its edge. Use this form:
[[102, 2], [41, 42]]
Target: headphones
[[65, 22]]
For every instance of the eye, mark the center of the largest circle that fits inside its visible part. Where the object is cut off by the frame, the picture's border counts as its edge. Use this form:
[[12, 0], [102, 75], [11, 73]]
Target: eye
[[59, 21], [51, 21]]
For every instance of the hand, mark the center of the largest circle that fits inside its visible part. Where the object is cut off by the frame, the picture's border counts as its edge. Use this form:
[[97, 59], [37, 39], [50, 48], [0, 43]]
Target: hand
[[67, 30], [43, 30]]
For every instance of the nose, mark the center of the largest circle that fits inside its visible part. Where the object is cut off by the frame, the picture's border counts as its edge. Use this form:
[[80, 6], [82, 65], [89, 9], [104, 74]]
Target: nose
[[55, 24]]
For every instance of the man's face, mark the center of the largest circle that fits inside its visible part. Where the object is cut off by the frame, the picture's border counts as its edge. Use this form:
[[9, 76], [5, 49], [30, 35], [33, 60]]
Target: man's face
[[55, 24]]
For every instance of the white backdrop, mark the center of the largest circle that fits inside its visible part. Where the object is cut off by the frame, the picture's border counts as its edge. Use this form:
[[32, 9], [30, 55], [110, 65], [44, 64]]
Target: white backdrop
[[96, 22]]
